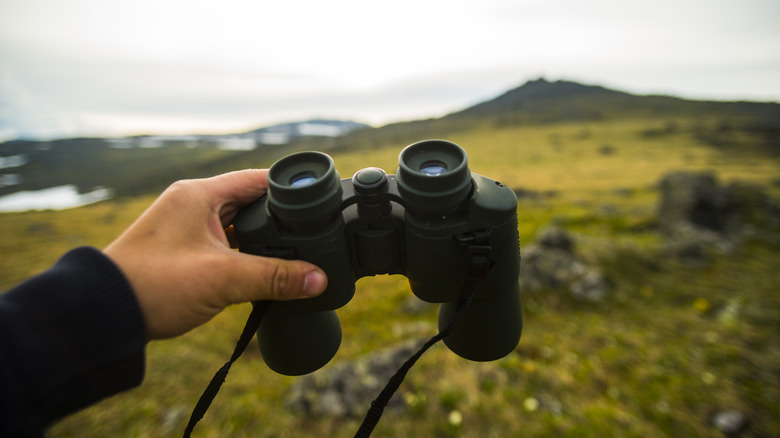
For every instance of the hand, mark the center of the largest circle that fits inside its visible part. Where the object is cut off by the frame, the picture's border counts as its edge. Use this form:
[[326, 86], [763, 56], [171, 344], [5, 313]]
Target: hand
[[178, 260]]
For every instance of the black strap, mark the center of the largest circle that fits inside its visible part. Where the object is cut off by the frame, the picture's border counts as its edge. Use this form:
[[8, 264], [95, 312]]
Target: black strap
[[478, 263], [252, 323], [378, 405]]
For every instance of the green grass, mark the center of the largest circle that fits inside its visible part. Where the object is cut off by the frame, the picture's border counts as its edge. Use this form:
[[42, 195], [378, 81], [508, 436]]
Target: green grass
[[657, 358]]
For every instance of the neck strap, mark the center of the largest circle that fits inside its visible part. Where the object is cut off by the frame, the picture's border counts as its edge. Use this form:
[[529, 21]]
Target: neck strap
[[479, 265], [253, 322]]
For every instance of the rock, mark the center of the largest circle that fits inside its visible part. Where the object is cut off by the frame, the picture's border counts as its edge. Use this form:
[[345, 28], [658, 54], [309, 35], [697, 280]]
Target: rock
[[415, 306], [694, 246], [698, 200], [690, 252], [173, 416], [699, 216], [347, 389], [748, 203], [550, 263], [691, 198], [729, 313], [732, 423], [555, 237], [590, 287]]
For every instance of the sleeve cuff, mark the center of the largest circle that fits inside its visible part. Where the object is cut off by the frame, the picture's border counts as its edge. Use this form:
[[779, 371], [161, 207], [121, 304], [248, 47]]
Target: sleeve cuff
[[74, 333]]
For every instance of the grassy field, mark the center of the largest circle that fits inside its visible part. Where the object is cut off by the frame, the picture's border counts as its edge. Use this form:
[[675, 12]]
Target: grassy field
[[670, 347]]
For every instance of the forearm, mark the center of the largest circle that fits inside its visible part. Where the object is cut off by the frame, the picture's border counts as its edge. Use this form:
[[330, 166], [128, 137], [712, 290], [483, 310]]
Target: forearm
[[68, 338]]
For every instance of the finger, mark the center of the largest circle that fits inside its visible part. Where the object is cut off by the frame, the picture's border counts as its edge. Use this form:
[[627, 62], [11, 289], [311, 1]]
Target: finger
[[237, 189], [265, 278], [242, 186]]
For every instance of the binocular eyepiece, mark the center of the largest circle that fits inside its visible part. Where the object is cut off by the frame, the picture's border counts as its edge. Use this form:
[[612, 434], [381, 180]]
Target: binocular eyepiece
[[433, 176], [304, 188], [409, 223]]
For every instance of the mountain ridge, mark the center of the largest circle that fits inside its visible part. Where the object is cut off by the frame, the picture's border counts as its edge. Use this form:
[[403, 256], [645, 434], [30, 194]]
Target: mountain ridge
[[146, 164], [539, 100]]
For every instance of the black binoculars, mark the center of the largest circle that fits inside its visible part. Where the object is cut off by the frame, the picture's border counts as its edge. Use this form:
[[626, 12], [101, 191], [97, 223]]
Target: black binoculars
[[413, 223]]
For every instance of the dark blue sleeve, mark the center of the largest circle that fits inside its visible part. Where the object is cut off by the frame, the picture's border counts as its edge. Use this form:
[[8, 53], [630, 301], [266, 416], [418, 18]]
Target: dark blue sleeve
[[69, 337]]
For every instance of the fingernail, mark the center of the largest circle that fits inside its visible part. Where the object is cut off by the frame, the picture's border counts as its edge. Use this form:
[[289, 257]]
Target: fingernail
[[314, 283]]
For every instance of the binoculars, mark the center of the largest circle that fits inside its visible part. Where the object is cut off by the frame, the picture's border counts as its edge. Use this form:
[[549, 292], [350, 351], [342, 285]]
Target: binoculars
[[417, 222]]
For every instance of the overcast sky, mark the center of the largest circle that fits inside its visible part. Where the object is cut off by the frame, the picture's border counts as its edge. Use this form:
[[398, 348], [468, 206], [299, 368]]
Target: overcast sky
[[106, 67]]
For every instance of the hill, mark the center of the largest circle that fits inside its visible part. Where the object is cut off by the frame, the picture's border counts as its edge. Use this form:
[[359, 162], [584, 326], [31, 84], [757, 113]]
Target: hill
[[543, 102], [540, 94], [147, 164]]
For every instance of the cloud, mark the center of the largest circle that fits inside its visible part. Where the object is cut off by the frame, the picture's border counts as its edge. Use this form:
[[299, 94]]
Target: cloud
[[99, 67]]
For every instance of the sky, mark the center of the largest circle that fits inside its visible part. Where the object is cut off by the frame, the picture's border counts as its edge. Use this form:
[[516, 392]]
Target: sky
[[116, 68]]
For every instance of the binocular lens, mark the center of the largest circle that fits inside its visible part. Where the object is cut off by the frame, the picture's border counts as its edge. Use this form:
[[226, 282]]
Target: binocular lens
[[433, 176], [433, 168], [303, 179], [304, 188]]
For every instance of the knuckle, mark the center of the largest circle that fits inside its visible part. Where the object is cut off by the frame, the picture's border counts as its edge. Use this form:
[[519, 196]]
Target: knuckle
[[280, 279], [181, 186], [184, 192]]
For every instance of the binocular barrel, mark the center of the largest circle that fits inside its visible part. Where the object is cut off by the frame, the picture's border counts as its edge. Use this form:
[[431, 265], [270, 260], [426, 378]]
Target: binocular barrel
[[374, 223]]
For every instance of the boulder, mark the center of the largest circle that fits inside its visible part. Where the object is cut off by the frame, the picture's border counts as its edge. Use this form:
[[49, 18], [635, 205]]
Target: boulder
[[554, 237], [731, 423], [348, 388], [692, 198], [550, 263], [698, 215], [697, 199]]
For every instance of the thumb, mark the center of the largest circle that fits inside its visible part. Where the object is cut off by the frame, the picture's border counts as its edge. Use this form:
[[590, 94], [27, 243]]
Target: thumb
[[265, 278]]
